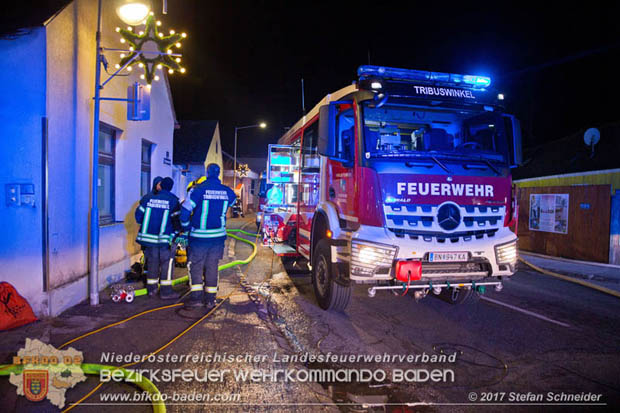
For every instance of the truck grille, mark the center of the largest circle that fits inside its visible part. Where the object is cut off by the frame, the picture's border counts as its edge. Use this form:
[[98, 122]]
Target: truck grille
[[443, 237], [476, 222]]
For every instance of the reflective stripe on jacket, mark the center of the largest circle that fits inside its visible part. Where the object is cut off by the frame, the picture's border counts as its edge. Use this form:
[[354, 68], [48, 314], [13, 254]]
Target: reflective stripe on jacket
[[155, 214], [204, 210]]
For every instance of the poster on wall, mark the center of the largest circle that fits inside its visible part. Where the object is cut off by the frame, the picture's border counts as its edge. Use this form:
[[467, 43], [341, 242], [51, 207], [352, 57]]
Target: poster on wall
[[549, 213]]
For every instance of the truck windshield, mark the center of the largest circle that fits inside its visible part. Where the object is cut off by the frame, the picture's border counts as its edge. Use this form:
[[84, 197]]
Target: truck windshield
[[400, 131]]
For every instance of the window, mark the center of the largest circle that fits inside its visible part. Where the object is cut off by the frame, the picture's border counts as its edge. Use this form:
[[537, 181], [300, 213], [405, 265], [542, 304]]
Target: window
[[398, 131], [145, 168], [309, 149], [105, 184], [345, 141]]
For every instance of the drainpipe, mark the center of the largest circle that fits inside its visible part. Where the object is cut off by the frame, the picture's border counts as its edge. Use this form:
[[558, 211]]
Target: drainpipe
[[93, 271], [45, 211]]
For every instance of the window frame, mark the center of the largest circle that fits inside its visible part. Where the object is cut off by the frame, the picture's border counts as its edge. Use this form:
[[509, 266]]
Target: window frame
[[108, 159], [146, 166]]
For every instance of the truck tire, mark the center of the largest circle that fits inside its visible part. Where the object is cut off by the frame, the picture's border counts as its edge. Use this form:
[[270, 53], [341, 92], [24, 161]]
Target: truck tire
[[292, 238], [329, 294]]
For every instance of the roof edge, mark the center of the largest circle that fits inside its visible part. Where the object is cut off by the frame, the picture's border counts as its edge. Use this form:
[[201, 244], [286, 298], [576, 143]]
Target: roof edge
[[585, 173]]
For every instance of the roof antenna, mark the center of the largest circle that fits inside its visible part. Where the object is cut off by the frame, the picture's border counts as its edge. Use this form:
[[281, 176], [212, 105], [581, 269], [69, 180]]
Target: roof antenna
[[368, 55], [303, 101]]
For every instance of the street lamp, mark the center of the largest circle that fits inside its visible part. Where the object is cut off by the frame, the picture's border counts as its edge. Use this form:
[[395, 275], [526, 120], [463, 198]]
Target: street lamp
[[132, 12], [261, 125]]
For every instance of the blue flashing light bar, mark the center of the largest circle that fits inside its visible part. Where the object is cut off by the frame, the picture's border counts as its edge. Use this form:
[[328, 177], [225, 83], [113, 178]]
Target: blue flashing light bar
[[422, 75]]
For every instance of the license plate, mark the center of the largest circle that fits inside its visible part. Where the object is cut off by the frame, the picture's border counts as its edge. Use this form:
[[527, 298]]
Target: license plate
[[448, 256]]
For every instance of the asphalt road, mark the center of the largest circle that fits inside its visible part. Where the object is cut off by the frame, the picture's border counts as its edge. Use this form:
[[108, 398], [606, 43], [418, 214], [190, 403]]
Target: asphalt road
[[538, 335]]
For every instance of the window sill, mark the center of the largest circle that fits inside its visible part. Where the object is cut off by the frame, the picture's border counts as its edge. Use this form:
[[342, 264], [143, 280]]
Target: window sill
[[111, 224]]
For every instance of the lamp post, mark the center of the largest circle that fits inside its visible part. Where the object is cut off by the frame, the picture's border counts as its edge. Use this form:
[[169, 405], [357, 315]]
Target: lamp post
[[130, 11], [261, 125]]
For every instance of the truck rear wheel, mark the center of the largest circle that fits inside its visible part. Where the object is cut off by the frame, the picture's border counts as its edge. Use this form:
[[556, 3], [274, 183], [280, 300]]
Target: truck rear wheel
[[329, 294]]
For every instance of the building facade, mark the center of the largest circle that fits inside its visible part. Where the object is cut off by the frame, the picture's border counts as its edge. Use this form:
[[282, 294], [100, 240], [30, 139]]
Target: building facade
[[47, 111], [246, 187], [575, 215]]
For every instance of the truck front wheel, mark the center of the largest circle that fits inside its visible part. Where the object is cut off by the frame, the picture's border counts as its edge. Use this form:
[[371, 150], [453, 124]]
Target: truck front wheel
[[329, 294]]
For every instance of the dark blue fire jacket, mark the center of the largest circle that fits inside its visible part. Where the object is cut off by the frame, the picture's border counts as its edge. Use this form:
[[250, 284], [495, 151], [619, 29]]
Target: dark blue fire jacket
[[155, 214], [204, 210]]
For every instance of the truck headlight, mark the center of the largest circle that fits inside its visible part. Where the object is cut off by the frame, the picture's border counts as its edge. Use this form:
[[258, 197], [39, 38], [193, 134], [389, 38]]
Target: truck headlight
[[506, 253], [367, 258]]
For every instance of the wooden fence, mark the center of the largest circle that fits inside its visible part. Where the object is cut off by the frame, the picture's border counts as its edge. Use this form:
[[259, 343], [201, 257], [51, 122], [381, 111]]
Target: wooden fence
[[573, 224]]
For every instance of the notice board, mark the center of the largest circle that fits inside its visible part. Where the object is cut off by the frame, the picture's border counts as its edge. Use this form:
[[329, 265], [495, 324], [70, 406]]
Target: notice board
[[565, 221], [549, 213]]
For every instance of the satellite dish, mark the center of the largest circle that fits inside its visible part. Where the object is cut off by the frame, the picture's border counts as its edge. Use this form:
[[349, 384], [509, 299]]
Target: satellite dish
[[591, 138]]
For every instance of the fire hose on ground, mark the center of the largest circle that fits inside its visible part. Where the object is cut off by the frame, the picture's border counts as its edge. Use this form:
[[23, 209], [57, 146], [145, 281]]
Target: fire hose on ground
[[141, 381]]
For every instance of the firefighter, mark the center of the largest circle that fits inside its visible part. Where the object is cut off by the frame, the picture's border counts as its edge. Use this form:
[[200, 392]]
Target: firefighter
[[155, 215], [203, 215], [154, 190], [156, 186]]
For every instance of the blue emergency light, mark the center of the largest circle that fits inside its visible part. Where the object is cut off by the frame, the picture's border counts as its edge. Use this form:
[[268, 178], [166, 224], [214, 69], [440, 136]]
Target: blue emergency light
[[422, 75]]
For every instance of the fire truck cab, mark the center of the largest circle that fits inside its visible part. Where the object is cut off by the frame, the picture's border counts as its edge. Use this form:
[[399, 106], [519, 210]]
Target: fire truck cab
[[402, 181]]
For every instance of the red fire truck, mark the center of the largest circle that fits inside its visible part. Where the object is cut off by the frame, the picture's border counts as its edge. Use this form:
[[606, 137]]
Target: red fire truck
[[400, 180]]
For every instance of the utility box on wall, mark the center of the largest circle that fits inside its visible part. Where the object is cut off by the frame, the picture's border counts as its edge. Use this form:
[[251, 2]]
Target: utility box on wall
[[19, 195]]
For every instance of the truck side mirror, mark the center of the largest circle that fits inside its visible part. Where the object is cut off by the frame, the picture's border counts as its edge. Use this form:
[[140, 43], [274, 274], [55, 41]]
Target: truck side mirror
[[513, 130]]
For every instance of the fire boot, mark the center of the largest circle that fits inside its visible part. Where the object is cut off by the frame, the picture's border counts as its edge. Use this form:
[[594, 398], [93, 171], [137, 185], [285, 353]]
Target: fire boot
[[151, 286], [167, 293]]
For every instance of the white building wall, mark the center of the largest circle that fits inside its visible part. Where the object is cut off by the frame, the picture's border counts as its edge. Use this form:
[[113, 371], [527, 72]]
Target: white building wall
[[67, 232], [22, 108], [70, 77]]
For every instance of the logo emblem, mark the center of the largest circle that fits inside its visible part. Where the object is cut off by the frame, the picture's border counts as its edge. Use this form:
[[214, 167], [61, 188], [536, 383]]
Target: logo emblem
[[448, 216], [35, 384]]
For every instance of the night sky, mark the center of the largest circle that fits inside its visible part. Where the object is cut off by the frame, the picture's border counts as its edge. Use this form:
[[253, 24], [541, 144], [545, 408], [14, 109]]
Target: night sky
[[556, 63]]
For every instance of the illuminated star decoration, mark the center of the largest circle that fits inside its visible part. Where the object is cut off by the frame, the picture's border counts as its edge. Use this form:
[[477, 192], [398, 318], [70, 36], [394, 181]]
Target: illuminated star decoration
[[164, 45], [243, 169]]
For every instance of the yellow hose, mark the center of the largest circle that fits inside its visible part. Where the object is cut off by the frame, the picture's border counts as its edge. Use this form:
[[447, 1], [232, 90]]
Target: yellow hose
[[145, 384], [118, 323], [571, 279]]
